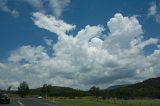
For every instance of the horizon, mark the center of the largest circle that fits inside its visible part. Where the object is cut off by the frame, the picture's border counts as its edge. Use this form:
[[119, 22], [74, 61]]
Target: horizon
[[78, 44], [123, 85]]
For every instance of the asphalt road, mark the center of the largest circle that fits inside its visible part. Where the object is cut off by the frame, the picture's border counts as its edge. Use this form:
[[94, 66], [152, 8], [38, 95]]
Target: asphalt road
[[27, 102]]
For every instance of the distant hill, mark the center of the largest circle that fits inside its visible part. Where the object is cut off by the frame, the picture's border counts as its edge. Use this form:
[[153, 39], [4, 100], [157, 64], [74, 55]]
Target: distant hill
[[116, 86], [149, 83], [147, 88], [57, 91]]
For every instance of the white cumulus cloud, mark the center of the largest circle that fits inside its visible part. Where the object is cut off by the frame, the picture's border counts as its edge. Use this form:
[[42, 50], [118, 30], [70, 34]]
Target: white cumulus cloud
[[84, 59], [51, 23]]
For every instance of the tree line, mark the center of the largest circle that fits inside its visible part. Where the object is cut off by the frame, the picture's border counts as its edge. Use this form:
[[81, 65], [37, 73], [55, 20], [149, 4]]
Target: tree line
[[148, 88]]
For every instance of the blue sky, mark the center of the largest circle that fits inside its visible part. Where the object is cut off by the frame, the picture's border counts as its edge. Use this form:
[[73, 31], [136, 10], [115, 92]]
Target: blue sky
[[18, 28], [18, 31]]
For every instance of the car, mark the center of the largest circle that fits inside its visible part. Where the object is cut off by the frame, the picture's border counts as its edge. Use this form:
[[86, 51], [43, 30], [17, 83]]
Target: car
[[4, 98], [40, 97]]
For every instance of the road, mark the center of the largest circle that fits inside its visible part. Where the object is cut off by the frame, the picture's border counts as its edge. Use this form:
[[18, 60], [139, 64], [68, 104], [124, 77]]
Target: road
[[27, 102]]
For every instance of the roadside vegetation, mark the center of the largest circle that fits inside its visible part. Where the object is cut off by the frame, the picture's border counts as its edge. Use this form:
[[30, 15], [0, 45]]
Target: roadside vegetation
[[91, 101]]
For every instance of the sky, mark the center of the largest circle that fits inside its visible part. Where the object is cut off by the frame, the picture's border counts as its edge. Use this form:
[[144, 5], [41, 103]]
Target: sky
[[78, 43]]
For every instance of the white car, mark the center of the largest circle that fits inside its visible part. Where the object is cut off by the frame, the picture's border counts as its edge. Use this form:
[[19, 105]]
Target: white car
[[40, 97]]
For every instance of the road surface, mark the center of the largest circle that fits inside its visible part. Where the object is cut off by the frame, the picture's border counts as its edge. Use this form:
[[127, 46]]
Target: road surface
[[27, 102]]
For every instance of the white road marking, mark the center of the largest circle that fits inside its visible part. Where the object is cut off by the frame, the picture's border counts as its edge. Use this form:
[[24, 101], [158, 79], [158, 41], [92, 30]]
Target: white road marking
[[20, 103]]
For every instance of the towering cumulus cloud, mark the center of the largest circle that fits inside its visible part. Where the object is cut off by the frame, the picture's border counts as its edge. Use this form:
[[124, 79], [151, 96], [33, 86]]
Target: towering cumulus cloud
[[85, 59]]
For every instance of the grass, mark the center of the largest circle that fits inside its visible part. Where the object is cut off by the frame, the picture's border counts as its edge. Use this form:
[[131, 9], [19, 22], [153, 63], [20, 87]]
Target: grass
[[90, 101], [80, 102]]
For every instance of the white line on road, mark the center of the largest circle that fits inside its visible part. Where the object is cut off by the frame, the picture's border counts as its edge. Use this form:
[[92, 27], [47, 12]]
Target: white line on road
[[19, 102]]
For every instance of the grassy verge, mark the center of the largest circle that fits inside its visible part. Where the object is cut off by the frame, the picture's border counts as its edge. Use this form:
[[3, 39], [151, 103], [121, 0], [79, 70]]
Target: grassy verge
[[86, 101], [90, 101]]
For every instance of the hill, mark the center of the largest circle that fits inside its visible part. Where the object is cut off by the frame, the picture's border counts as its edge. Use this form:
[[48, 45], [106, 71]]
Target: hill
[[147, 88], [149, 83], [57, 91], [116, 86]]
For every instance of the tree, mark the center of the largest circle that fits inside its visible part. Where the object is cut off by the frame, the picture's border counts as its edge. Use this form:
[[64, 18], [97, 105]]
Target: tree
[[45, 90], [23, 89], [9, 89], [94, 91]]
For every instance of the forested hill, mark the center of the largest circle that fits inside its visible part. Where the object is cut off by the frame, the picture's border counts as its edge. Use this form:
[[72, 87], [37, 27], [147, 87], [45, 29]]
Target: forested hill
[[57, 91], [147, 88], [116, 86], [149, 83]]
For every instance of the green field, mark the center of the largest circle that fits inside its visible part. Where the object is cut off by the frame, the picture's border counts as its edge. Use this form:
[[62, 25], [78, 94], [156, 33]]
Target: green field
[[89, 101]]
